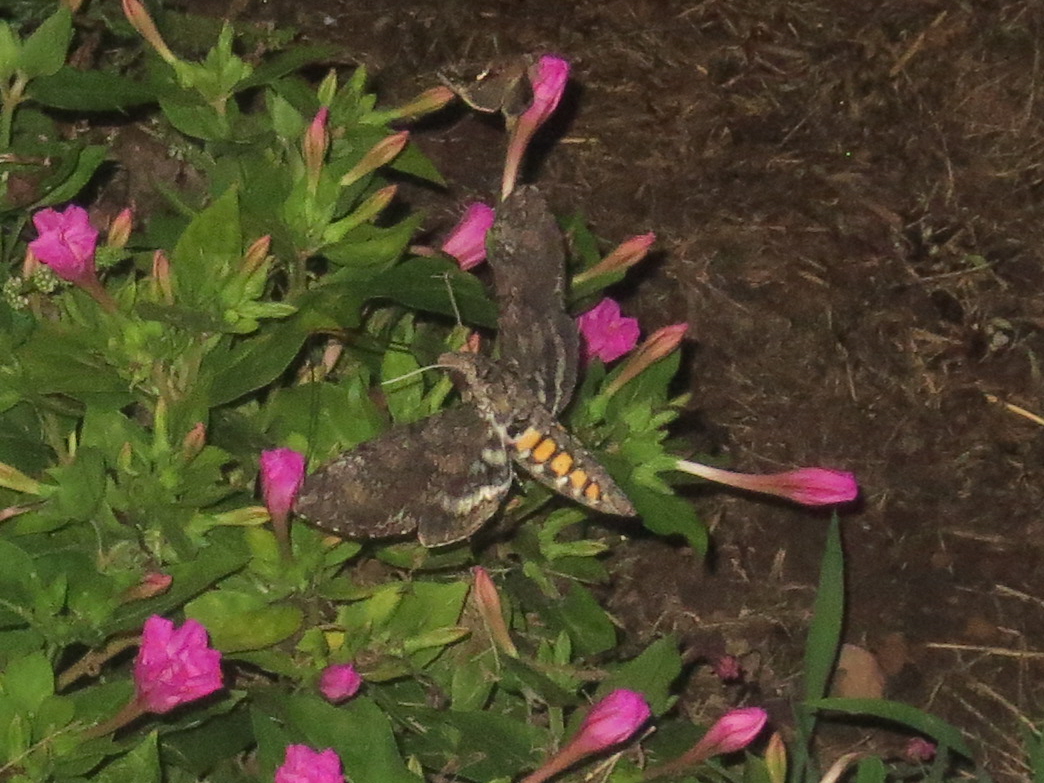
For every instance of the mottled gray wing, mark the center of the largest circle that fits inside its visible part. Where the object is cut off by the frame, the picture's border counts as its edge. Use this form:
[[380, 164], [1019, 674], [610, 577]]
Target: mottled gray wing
[[537, 338], [442, 477]]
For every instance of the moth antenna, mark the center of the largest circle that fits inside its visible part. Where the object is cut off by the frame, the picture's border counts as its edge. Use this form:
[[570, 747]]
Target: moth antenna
[[452, 298], [411, 373]]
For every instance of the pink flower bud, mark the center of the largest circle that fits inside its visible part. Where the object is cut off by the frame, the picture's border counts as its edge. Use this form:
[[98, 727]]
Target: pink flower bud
[[427, 102], [66, 243], [487, 599], [607, 334], [776, 758], [142, 22], [728, 668], [152, 584], [314, 145], [384, 151], [194, 441], [623, 257], [304, 765], [807, 486], [611, 721], [733, 731], [256, 254], [467, 241], [339, 682], [918, 750], [174, 666], [120, 228], [656, 346], [282, 472]]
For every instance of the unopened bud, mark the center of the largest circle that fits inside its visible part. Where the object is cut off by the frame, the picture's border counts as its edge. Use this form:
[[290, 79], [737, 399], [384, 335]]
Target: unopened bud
[[162, 289], [142, 22], [327, 88], [256, 254], [384, 151], [623, 257], [314, 146], [487, 599], [369, 209], [193, 442], [152, 584], [427, 102], [655, 347], [120, 228]]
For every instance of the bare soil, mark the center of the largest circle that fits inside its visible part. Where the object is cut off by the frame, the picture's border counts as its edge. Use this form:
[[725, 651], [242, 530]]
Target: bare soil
[[848, 197]]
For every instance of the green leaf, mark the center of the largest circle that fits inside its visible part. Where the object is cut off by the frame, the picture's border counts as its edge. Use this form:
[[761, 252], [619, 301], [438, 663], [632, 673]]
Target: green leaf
[[204, 254], [668, 515], [74, 90], [821, 648], [358, 731], [463, 741], [285, 63], [824, 636], [10, 49], [904, 714], [140, 765], [78, 171], [652, 674], [240, 621], [43, 53], [28, 681], [871, 770], [588, 625], [81, 485], [250, 364], [426, 283]]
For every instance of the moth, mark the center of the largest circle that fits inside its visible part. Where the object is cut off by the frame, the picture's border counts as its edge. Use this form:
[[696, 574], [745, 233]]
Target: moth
[[443, 477], [502, 86]]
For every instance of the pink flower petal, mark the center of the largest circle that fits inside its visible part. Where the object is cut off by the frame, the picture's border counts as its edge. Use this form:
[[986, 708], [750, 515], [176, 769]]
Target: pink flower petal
[[304, 765], [174, 666], [66, 242], [282, 473], [339, 682], [607, 334], [467, 240]]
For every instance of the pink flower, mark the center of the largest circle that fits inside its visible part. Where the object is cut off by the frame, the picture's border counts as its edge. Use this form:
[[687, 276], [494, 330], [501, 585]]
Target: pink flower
[[807, 486], [728, 668], [548, 76], [282, 473], [467, 241], [607, 334], [611, 721], [304, 765], [174, 666], [733, 731], [918, 750], [66, 243], [339, 682]]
